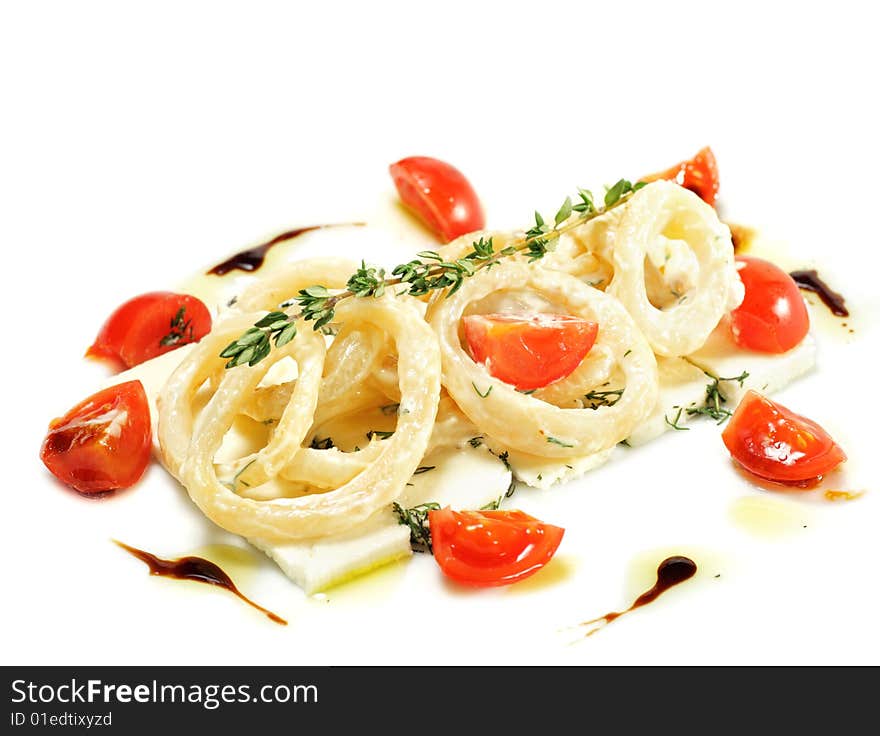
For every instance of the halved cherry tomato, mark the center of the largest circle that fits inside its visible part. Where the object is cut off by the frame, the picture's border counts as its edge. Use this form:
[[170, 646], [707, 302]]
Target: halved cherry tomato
[[776, 444], [487, 548], [699, 174], [149, 325], [439, 194], [773, 317], [103, 443], [531, 350]]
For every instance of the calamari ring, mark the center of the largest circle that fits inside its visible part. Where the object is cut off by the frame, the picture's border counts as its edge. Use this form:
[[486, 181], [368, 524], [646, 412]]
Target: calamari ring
[[175, 401], [664, 209], [318, 514], [523, 422], [273, 289]]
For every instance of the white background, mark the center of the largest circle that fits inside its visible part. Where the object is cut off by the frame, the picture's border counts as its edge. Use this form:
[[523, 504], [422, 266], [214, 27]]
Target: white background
[[139, 141]]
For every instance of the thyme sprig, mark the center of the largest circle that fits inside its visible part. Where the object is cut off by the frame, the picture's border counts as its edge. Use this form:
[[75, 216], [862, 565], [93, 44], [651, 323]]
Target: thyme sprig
[[429, 272], [416, 518], [675, 422], [715, 398], [181, 330]]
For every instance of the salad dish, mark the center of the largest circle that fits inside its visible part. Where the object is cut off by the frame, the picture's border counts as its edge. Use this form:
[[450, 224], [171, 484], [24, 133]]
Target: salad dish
[[342, 415]]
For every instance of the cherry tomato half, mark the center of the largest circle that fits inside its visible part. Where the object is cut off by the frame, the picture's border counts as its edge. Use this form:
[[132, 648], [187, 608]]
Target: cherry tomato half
[[488, 548], [149, 325], [776, 444], [529, 351], [439, 194], [699, 174], [103, 443], [773, 317]]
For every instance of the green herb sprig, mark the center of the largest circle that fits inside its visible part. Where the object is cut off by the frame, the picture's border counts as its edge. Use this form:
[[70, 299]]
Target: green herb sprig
[[712, 406], [595, 399], [416, 518], [423, 275], [181, 330]]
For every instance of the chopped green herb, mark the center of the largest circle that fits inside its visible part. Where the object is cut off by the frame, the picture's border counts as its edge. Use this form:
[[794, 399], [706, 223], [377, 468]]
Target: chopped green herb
[[232, 485], [181, 330], [481, 395], [715, 398], [555, 441], [504, 457], [595, 399], [416, 518], [675, 424]]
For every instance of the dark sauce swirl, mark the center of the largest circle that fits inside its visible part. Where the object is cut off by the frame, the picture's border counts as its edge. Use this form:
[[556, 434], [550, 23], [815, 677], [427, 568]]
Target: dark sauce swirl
[[809, 280], [672, 571], [252, 258], [198, 569]]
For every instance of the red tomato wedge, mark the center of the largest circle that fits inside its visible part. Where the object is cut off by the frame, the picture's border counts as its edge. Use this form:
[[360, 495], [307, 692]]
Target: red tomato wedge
[[149, 325], [529, 351], [699, 174], [439, 194], [103, 443], [773, 317], [776, 444], [489, 548]]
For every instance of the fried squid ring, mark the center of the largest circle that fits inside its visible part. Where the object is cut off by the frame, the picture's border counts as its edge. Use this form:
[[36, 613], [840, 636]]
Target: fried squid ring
[[189, 445], [663, 210], [523, 422]]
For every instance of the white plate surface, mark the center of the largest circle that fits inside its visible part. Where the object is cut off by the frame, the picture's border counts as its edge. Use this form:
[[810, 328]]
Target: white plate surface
[[139, 146]]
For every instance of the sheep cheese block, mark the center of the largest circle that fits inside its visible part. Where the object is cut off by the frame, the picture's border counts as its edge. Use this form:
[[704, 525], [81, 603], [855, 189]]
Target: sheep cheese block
[[475, 477], [768, 373], [471, 478]]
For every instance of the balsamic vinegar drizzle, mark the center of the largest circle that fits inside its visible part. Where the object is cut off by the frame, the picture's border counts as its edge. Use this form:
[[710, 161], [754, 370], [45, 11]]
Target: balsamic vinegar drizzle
[[252, 258], [198, 569], [672, 571], [809, 280]]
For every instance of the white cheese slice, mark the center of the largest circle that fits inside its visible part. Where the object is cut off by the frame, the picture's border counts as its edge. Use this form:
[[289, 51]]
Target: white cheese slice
[[320, 564], [468, 478], [682, 385], [768, 373], [472, 478], [464, 479], [540, 472]]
